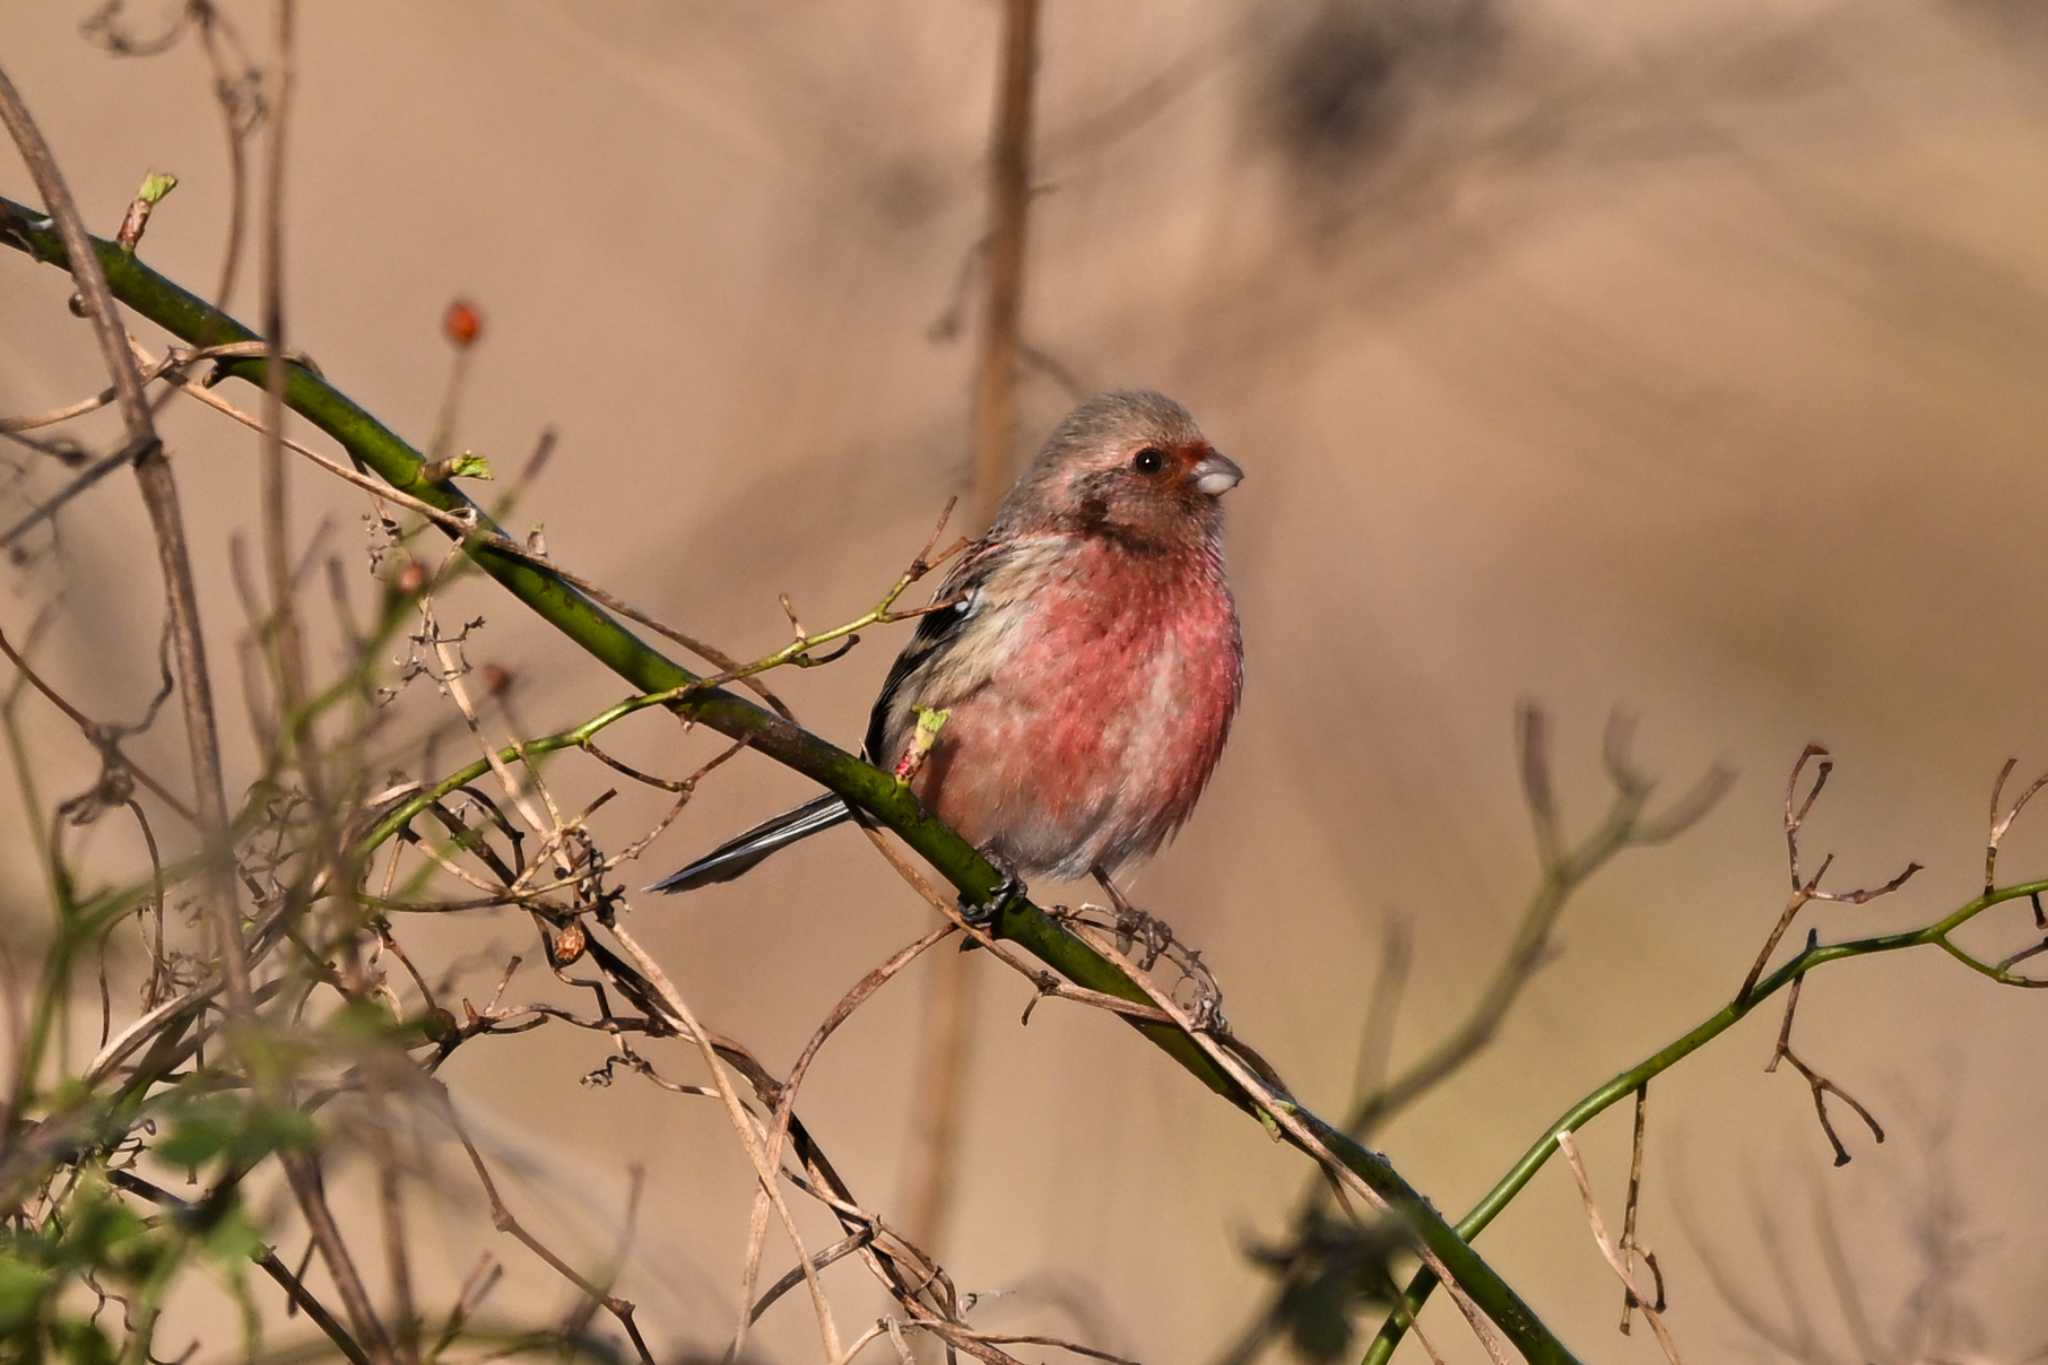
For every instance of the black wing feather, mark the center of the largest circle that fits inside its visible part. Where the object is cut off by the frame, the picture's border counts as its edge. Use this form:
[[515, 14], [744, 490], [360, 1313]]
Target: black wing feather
[[742, 852], [934, 629]]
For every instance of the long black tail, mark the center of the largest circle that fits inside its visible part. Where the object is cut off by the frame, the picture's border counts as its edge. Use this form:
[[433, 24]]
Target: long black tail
[[740, 853]]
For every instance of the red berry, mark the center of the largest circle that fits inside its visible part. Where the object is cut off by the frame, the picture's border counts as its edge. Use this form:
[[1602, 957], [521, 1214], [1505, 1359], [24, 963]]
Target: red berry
[[462, 324]]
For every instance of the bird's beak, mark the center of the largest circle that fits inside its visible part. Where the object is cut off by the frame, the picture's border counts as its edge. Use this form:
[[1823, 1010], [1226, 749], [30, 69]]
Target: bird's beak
[[1216, 474]]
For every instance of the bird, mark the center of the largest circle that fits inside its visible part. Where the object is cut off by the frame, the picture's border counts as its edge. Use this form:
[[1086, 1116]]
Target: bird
[[1086, 651]]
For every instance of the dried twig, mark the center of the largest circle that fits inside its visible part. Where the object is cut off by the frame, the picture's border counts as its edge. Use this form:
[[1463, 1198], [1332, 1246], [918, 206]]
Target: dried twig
[[1613, 1256], [862, 991], [1397, 956], [238, 93], [686, 1023], [1808, 889], [294, 1287], [503, 1219], [2001, 822], [1628, 1246], [159, 490], [1821, 1086], [1628, 823], [287, 650]]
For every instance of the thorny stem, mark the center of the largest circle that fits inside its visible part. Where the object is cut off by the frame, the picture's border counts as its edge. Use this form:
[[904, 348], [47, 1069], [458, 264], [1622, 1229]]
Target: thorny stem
[[876, 792]]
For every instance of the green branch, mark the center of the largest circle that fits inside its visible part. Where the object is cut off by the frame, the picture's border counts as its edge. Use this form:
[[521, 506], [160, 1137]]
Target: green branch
[[196, 322], [1627, 1082]]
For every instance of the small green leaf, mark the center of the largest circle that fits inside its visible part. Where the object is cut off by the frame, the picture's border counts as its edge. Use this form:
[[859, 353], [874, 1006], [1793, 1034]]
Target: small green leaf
[[198, 1134], [930, 720], [243, 1134], [81, 1343], [68, 1093], [362, 1020], [22, 1283], [101, 1231], [155, 186], [273, 1129], [467, 465], [234, 1240]]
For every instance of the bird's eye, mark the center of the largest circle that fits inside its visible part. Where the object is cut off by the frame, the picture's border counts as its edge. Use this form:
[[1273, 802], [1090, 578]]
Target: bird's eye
[[1148, 461]]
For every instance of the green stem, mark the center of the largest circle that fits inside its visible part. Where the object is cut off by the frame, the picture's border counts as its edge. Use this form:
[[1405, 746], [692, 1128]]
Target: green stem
[[53, 987], [198, 323], [405, 811], [1627, 1082]]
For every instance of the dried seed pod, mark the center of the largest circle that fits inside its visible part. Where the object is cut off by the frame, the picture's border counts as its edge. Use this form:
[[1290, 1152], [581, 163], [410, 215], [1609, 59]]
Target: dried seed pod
[[569, 944]]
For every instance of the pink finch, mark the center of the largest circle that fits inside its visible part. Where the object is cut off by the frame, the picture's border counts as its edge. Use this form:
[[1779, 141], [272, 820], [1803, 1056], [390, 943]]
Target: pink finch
[[1088, 658]]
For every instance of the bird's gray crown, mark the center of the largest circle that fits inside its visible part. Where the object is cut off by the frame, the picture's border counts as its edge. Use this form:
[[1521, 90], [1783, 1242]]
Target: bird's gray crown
[[1122, 415]]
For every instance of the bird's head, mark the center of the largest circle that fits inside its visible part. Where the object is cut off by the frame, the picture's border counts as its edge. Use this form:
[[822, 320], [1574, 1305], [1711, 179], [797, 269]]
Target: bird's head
[[1131, 466]]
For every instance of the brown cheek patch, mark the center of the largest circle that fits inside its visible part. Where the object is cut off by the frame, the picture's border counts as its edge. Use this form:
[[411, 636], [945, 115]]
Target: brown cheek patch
[[1091, 493]]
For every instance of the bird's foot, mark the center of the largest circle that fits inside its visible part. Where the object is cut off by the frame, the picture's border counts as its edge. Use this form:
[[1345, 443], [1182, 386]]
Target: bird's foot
[[1008, 891], [1146, 940], [1117, 901], [1206, 1014]]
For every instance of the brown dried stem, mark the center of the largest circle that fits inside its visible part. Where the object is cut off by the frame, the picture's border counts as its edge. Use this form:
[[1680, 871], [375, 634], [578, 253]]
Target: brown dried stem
[[1821, 1086], [785, 1105], [503, 1219], [296, 1293], [159, 489], [1611, 1253], [1628, 1246], [1808, 889], [2002, 821], [287, 648], [1628, 823]]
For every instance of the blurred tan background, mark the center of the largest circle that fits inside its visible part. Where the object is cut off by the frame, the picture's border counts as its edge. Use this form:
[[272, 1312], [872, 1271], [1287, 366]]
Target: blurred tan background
[[1685, 358]]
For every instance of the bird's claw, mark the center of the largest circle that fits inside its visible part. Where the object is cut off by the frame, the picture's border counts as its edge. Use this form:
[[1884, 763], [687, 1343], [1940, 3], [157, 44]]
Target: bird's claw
[[1009, 890], [1207, 1014]]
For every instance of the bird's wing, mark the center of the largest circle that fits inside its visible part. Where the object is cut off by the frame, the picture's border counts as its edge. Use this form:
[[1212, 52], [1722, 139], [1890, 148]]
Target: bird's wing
[[944, 661]]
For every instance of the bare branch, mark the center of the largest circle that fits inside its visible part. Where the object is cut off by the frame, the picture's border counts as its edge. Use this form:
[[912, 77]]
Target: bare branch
[[1821, 1086], [2001, 821]]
